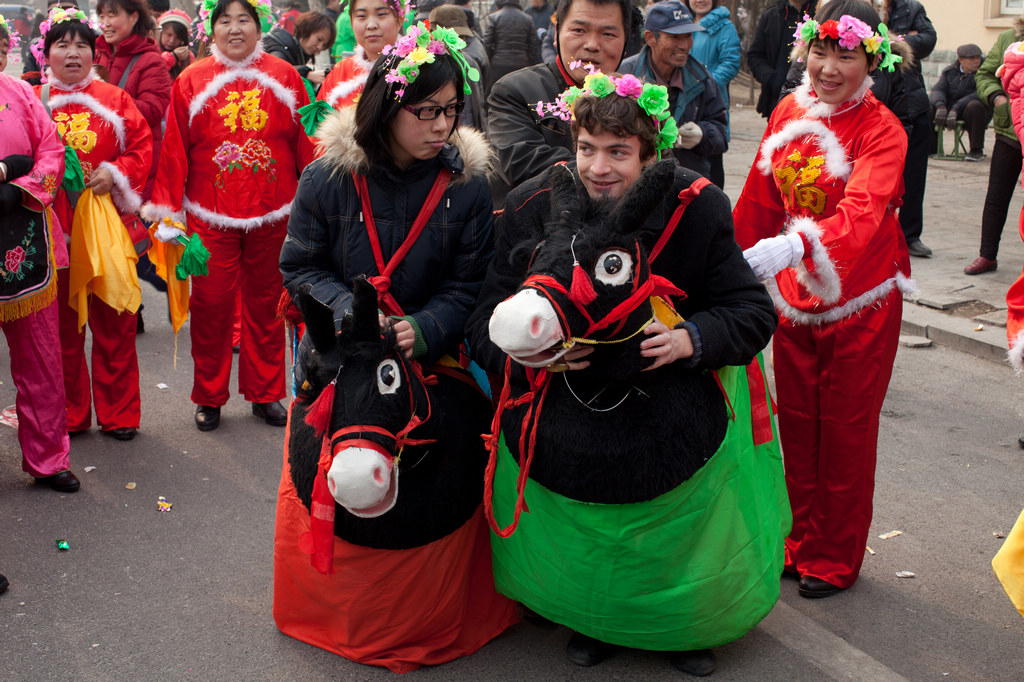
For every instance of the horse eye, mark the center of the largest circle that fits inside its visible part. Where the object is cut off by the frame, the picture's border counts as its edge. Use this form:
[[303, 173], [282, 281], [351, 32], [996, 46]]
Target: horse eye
[[388, 377], [613, 267]]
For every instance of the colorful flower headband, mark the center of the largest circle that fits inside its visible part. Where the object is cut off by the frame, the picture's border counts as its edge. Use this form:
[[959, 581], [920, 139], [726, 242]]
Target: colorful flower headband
[[850, 32], [263, 10], [419, 46], [13, 38], [57, 15], [651, 98]]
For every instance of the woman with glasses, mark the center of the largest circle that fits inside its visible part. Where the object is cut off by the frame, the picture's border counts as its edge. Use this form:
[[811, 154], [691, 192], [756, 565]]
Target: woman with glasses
[[396, 177], [386, 154]]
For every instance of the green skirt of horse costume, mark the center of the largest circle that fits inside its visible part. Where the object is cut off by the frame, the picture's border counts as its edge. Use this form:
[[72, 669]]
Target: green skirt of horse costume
[[694, 568]]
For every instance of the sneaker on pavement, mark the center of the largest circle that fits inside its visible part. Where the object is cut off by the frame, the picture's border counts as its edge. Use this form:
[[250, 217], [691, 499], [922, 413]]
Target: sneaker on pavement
[[916, 248], [980, 265], [974, 156]]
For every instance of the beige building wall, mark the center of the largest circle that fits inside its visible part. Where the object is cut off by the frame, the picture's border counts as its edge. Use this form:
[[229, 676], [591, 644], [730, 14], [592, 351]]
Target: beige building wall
[[971, 21]]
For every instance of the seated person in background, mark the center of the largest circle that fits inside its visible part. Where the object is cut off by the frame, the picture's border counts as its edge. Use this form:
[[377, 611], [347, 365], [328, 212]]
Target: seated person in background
[[955, 97]]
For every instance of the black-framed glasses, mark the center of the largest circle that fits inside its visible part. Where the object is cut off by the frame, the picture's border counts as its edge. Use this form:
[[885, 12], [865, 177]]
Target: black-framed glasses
[[430, 113]]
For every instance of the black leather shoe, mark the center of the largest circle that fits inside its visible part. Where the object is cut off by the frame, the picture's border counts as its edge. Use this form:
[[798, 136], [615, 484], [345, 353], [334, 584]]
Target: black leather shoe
[[916, 248], [700, 663], [64, 482], [207, 418], [271, 413], [587, 651], [123, 433], [816, 588], [3, 584]]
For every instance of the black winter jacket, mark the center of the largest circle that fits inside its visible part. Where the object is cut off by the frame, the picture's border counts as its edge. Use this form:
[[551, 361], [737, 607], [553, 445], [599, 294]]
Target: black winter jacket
[[954, 89], [438, 282], [731, 310], [699, 101], [511, 41], [526, 143], [282, 44], [768, 56]]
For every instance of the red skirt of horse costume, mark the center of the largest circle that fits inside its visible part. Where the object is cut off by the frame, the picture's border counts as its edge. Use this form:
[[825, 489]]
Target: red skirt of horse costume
[[400, 609]]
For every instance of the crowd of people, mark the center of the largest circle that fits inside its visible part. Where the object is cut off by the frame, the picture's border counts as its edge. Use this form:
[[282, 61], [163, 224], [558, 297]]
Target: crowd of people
[[299, 178]]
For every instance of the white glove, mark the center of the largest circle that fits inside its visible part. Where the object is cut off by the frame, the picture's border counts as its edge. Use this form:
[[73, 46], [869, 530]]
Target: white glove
[[690, 136], [167, 233], [770, 256]]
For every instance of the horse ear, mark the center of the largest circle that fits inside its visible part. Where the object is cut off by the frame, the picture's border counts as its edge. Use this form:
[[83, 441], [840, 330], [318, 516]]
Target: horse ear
[[365, 320], [566, 203], [645, 194], [318, 317]]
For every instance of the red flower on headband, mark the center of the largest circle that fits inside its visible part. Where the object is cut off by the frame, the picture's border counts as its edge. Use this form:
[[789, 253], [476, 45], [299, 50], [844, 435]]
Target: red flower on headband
[[829, 29]]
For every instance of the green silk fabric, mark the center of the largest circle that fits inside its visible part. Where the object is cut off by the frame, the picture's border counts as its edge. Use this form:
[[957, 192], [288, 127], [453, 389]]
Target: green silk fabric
[[694, 568]]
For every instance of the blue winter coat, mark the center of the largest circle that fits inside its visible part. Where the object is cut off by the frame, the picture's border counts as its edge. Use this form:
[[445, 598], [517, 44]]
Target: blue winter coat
[[718, 48]]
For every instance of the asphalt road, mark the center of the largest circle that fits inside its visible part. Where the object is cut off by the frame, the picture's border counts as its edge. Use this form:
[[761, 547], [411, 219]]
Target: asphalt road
[[186, 594]]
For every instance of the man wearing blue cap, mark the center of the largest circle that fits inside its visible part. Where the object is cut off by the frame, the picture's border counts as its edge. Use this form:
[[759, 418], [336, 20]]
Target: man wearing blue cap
[[694, 98]]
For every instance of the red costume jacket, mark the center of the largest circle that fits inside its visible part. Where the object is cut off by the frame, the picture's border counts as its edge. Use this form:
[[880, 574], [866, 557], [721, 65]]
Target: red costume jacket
[[234, 146], [102, 124], [345, 82], [832, 173]]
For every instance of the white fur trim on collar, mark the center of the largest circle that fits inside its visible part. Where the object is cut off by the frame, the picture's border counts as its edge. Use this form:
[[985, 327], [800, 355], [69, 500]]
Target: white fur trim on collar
[[60, 85], [1016, 353], [124, 195], [824, 282], [837, 162], [154, 213], [227, 222], [346, 88], [815, 108], [285, 95], [93, 104], [240, 64], [848, 309]]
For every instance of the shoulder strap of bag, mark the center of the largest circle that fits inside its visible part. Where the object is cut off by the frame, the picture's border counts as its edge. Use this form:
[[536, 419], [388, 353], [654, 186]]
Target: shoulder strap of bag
[[45, 97], [685, 197], [124, 76]]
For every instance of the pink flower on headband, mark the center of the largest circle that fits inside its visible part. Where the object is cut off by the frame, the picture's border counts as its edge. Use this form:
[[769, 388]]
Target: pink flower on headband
[[629, 86], [852, 31]]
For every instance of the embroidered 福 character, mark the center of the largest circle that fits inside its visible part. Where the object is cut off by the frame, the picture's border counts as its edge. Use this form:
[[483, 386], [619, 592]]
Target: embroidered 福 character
[[247, 112], [798, 181], [76, 134]]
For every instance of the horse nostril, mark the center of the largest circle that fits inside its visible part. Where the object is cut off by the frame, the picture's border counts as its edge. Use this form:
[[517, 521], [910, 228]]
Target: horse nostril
[[378, 475], [331, 485], [535, 326]]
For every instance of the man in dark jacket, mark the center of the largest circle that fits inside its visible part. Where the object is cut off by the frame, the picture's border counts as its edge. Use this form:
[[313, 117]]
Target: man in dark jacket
[[955, 97], [528, 142], [768, 56], [694, 98], [511, 40], [907, 18]]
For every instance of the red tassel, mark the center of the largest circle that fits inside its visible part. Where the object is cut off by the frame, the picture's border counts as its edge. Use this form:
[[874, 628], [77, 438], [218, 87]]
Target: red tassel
[[582, 290], [319, 413]]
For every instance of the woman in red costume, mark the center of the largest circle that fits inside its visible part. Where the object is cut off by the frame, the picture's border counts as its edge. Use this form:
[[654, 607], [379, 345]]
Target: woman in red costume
[[375, 23], [817, 218], [233, 153], [112, 140], [133, 60]]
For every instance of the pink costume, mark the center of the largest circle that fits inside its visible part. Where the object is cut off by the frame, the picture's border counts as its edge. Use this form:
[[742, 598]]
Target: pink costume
[[30, 324], [1012, 76]]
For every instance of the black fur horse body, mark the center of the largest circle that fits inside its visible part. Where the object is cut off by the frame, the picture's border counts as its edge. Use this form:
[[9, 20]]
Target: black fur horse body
[[440, 483], [613, 433]]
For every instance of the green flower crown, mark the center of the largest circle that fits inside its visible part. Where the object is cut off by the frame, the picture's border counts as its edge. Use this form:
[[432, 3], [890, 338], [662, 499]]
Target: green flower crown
[[420, 46], [651, 98]]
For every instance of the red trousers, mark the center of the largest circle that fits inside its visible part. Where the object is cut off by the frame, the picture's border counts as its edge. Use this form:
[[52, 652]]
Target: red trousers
[[831, 382], [244, 263], [115, 365]]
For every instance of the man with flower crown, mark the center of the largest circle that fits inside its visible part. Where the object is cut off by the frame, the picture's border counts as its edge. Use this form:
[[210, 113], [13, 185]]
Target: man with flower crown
[[634, 559], [696, 102]]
